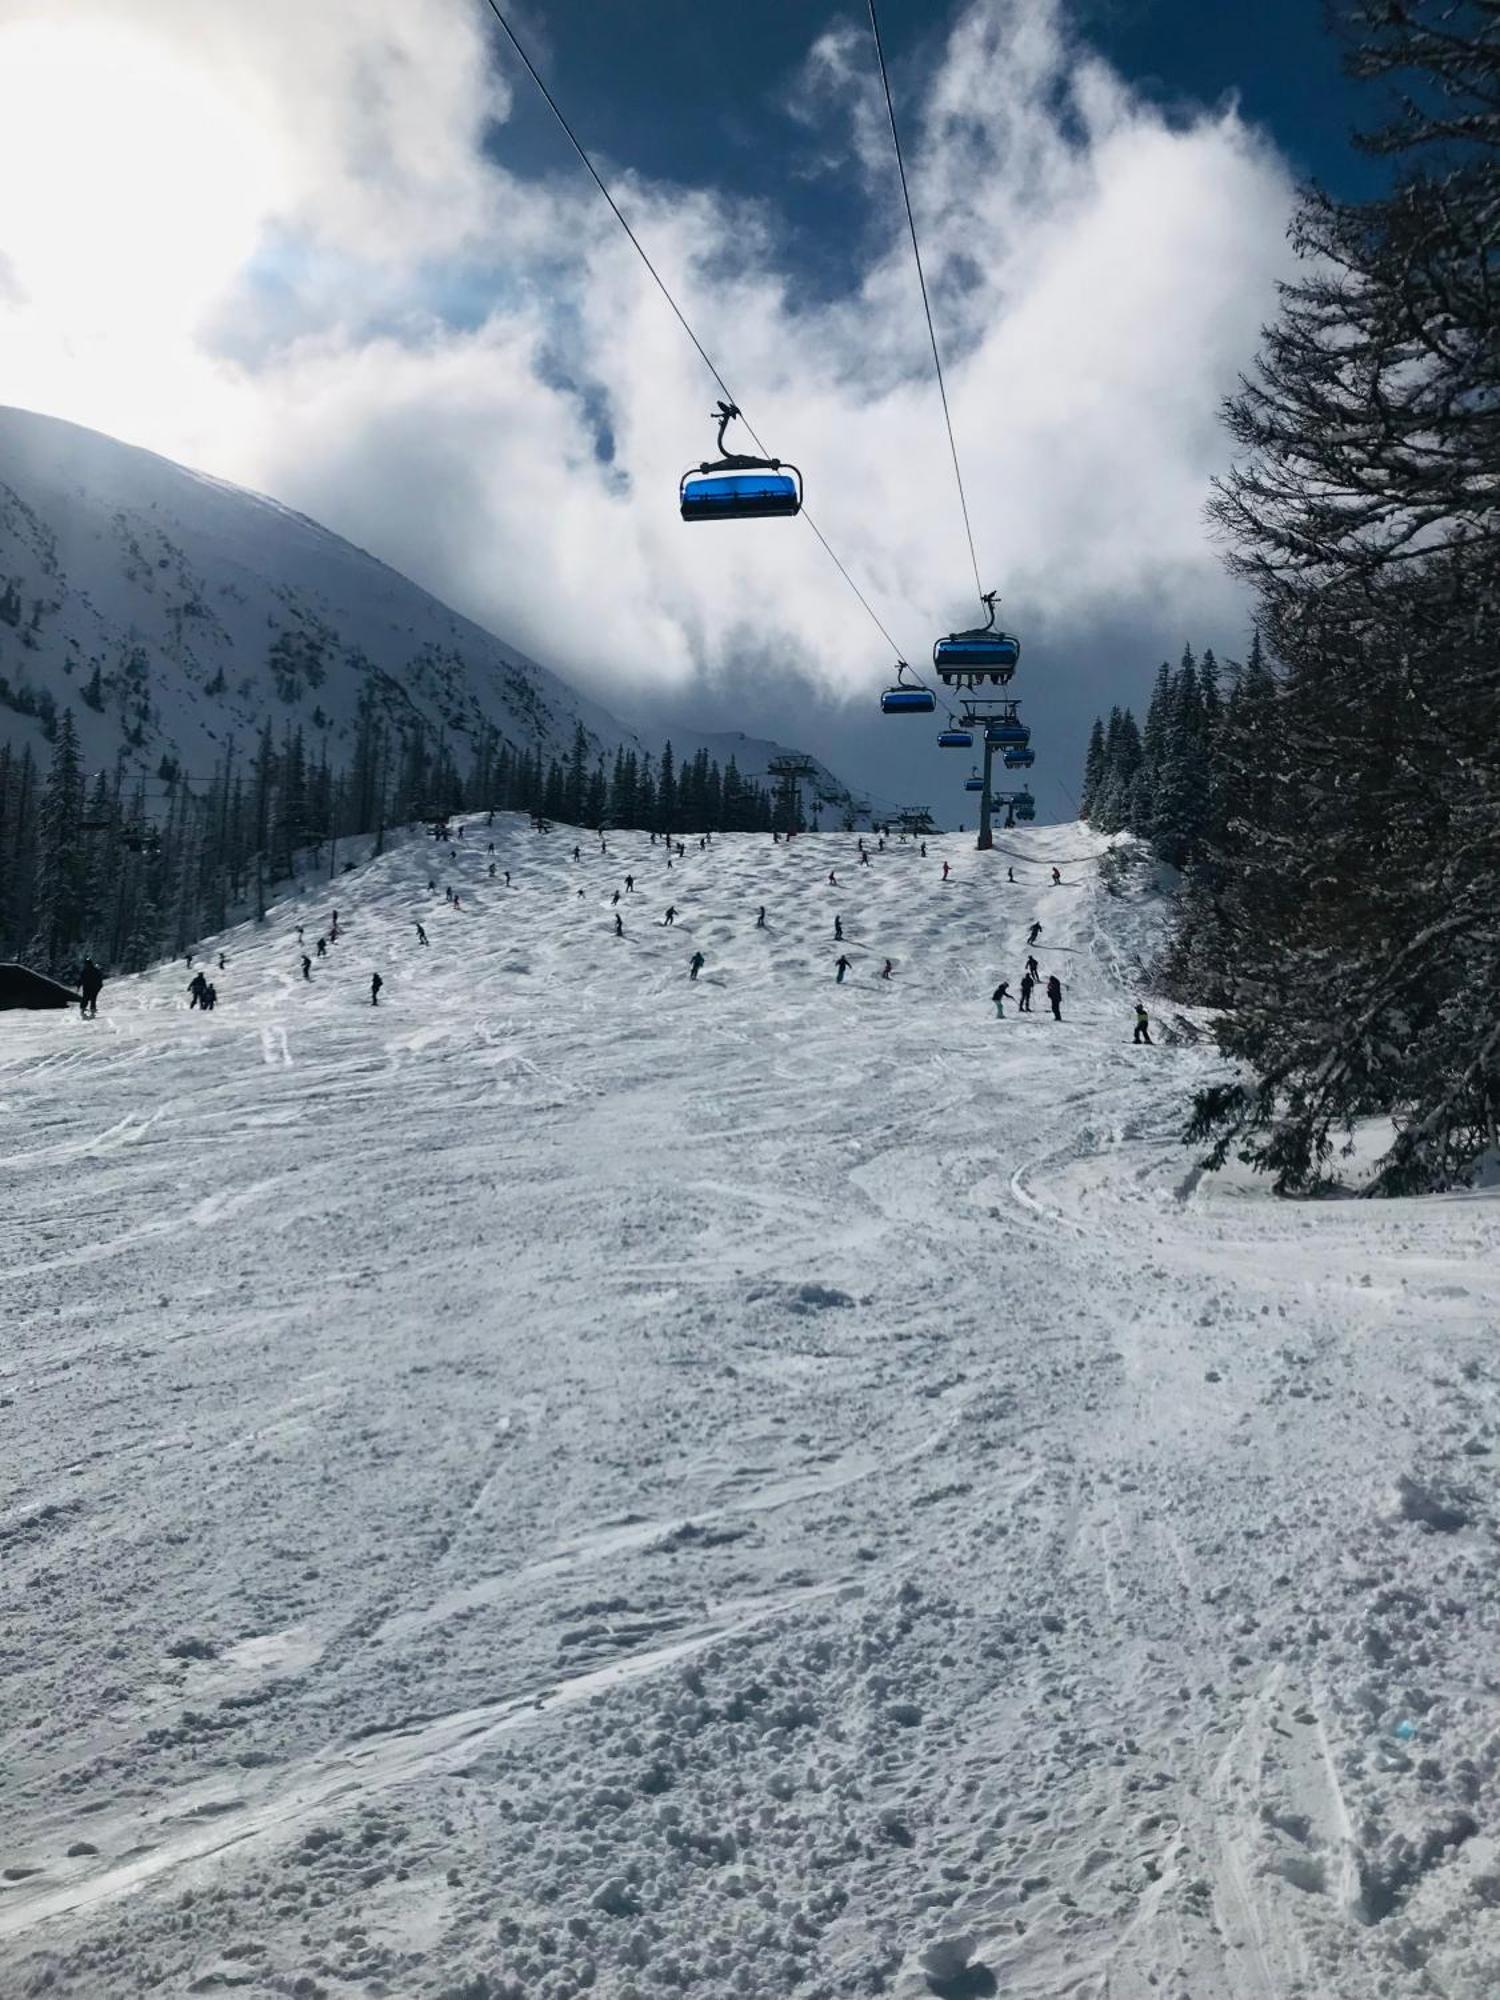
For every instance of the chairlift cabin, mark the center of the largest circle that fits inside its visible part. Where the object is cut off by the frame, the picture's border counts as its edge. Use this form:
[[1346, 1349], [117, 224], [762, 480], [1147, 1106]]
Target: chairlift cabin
[[737, 487], [1025, 806], [974, 782], [979, 655], [908, 696], [1019, 760], [955, 739], [1008, 732]]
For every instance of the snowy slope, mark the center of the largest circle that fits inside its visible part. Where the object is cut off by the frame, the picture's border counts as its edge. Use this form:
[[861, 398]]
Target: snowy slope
[[207, 609], [580, 1482]]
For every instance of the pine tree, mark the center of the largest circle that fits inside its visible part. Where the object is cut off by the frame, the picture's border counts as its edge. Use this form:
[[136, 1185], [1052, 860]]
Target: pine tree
[[1358, 916], [61, 898]]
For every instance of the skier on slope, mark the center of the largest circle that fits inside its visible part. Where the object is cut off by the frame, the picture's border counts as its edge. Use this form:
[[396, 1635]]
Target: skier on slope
[[614, 901], [1023, 1005], [421, 935], [376, 982], [1033, 934], [197, 986], [630, 885], [322, 947], [945, 871], [1142, 1026], [671, 916], [1010, 874], [838, 930], [1057, 875], [619, 925], [843, 966], [695, 966], [1054, 996], [760, 918], [833, 880], [306, 966], [90, 979], [1033, 971], [888, 968], [1000, 995], [223, 961], [210, 997]]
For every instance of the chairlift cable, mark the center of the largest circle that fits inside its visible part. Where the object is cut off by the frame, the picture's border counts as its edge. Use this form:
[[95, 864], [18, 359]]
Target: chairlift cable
[[916, 249], [661, 285]]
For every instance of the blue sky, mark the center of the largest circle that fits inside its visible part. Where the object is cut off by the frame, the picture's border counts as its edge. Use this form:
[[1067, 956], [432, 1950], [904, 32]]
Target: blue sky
[[368, 277], [705, 96]]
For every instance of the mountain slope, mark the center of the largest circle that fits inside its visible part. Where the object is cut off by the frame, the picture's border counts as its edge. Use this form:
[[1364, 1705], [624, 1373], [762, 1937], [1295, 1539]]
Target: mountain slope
[[577, 1482], [173, 611]]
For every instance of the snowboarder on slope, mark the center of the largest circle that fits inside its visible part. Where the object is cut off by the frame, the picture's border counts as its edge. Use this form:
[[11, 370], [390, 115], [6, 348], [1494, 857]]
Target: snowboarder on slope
[[90, 979], [1142, 1026], [888, 968], [1000, 995], [695, 965], [376, 982], [843, 966], [1033, 934], [1054, 996]]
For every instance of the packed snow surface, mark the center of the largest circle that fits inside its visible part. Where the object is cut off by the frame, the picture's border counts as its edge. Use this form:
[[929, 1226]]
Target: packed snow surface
[[578, 1481]]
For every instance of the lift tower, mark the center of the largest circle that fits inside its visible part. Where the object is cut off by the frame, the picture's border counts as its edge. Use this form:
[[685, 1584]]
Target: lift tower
[[792, 771]]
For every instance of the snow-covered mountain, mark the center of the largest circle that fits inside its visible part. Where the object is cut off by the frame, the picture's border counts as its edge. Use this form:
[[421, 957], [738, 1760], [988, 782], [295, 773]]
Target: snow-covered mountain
[[172, 611]]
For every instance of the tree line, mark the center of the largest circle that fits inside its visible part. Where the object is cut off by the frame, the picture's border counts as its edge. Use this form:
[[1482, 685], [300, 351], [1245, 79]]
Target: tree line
[[1342, 894], [130, 869]]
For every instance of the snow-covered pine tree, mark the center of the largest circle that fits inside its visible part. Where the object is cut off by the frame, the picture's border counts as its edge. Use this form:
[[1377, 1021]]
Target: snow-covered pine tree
[[1365, 508], [1093, 770]]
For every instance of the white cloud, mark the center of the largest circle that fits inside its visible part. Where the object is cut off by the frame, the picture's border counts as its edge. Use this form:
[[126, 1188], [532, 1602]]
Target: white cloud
[[284, 255]]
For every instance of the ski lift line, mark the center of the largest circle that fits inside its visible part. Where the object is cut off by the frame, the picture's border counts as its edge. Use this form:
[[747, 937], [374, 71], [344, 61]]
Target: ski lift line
[[916, 249], [661, 285]]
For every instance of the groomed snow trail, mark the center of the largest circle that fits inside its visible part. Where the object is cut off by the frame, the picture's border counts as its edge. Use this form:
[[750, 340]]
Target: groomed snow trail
[[576, 1481]]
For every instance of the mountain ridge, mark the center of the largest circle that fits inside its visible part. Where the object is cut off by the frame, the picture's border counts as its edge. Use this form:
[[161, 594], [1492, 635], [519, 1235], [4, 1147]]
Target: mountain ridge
[[173, 610]]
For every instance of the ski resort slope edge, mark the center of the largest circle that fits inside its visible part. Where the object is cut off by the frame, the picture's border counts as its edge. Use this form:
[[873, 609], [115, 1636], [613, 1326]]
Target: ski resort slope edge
[[579, 1480]]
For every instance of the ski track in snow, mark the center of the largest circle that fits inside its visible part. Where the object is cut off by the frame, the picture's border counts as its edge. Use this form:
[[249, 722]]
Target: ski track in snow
[[578, 1482]]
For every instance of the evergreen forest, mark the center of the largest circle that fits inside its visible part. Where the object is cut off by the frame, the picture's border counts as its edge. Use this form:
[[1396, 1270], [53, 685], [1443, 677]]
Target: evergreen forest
[[1334, 805], [130, 870]]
